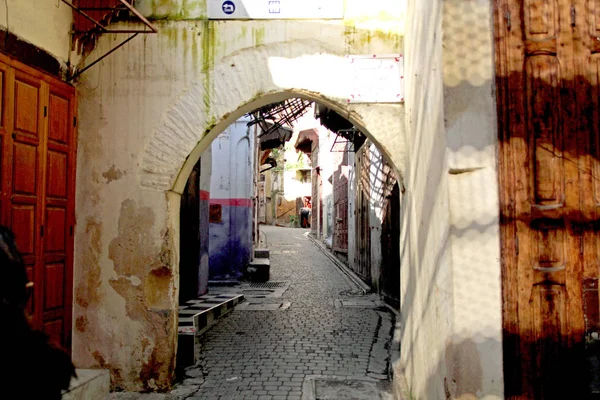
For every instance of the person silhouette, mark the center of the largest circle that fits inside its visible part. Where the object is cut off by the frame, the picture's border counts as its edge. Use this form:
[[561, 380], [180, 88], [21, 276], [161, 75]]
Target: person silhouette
[[30, 366]]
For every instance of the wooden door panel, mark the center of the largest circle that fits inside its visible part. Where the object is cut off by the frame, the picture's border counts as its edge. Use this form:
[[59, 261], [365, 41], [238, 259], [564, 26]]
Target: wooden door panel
[[25, 164], [58, 113], [543, 99], [56, 236], [23, 223], [593, 17], [540, 18], [593, 122], [26, 107], [57, 174], [54, 281], [549, 338]]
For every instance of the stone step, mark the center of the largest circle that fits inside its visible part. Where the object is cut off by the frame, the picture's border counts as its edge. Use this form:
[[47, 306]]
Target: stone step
[[261, 253], [259, 270], [90, 384], [198, 316]]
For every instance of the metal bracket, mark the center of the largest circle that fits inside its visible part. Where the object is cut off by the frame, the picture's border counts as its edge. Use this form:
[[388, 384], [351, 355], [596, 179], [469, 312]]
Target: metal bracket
[[103, 29], [81, 71]]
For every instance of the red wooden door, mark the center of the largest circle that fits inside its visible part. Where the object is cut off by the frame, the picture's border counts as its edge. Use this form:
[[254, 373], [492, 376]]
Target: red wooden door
[[6, 99], [37, 186], [549, 211], [57, 252], [26, 179]]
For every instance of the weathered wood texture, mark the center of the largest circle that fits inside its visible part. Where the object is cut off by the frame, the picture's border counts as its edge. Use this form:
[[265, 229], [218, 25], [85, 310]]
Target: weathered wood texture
[[547, 81], [37, 187]]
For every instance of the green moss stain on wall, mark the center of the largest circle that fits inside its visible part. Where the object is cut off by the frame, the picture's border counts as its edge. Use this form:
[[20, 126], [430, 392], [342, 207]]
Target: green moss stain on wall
[[243, 32], [175, 10], [356, 37], [209, 47], [258, 35], [195, 48]]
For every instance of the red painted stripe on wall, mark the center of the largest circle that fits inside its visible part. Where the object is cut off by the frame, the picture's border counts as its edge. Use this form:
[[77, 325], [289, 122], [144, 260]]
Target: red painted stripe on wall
[[204, 195], [232, 202]]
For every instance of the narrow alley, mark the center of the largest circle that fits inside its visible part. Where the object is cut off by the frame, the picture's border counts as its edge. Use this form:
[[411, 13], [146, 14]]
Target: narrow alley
[[318, 327], [341, 199]]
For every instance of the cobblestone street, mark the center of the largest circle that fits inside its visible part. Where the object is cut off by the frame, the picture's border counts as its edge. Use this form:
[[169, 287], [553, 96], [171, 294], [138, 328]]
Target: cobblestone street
[[322, 330]]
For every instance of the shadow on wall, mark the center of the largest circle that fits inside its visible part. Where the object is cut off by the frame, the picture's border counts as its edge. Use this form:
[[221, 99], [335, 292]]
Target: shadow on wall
[[465, 373], [452, 123]]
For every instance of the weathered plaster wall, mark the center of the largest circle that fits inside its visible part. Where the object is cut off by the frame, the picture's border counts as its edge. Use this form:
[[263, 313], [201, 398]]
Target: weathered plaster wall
[[450, 286], [474, 357], [326, 170], [426, 273], [155, 106], [45, 24]]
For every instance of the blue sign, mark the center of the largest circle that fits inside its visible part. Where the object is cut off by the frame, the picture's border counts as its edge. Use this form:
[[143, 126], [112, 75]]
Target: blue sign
[[228, 7]]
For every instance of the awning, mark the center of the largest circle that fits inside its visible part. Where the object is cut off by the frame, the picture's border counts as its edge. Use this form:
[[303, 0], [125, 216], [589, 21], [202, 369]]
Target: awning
[[274, 137], [306, 139], [340, 126]]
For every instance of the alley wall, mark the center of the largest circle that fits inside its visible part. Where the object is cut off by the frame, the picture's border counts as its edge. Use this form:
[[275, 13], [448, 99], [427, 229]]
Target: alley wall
[[450, 287], [475, 355]]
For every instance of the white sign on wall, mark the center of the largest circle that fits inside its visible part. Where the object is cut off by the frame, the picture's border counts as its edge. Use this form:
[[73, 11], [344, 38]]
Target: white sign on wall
[[376, 78], [275, 9]]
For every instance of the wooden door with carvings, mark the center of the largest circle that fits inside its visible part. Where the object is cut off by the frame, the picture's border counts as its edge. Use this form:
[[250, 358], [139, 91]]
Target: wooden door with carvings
[[26, 178], [58, 214], [37, 186], [549, 223]]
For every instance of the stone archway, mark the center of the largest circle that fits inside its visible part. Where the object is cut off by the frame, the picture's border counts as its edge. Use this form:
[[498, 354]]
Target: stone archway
[[126, 296], [250, 79]]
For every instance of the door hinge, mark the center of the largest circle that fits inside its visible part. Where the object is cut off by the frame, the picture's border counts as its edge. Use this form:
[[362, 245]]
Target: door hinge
[[74, 122], [45, 111], [42, 231], [517, 244], [71, 230], [573, 16], [508, 19]]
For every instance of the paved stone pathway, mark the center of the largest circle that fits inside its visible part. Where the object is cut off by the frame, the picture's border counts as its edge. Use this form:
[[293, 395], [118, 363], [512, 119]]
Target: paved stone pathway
[[268, 355]]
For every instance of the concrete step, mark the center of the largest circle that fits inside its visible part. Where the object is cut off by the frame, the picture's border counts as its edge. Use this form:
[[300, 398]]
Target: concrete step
[[259, 270], [90, 384], [198, 316], [261, 253]]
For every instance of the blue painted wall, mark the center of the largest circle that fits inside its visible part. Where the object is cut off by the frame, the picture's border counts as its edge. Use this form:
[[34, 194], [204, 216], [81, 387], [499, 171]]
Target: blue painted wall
[[231, 190]]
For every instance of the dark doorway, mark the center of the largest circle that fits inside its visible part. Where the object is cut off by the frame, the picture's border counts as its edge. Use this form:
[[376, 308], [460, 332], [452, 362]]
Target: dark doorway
[[390, 247], [190, 237]]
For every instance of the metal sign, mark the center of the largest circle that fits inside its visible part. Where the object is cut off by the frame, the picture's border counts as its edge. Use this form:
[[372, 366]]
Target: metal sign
[[376, 78], [275, 9]]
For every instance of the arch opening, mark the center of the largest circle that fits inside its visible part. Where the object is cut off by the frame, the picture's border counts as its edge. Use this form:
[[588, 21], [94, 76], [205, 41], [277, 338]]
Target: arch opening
[[351, 206], [213, 130]]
